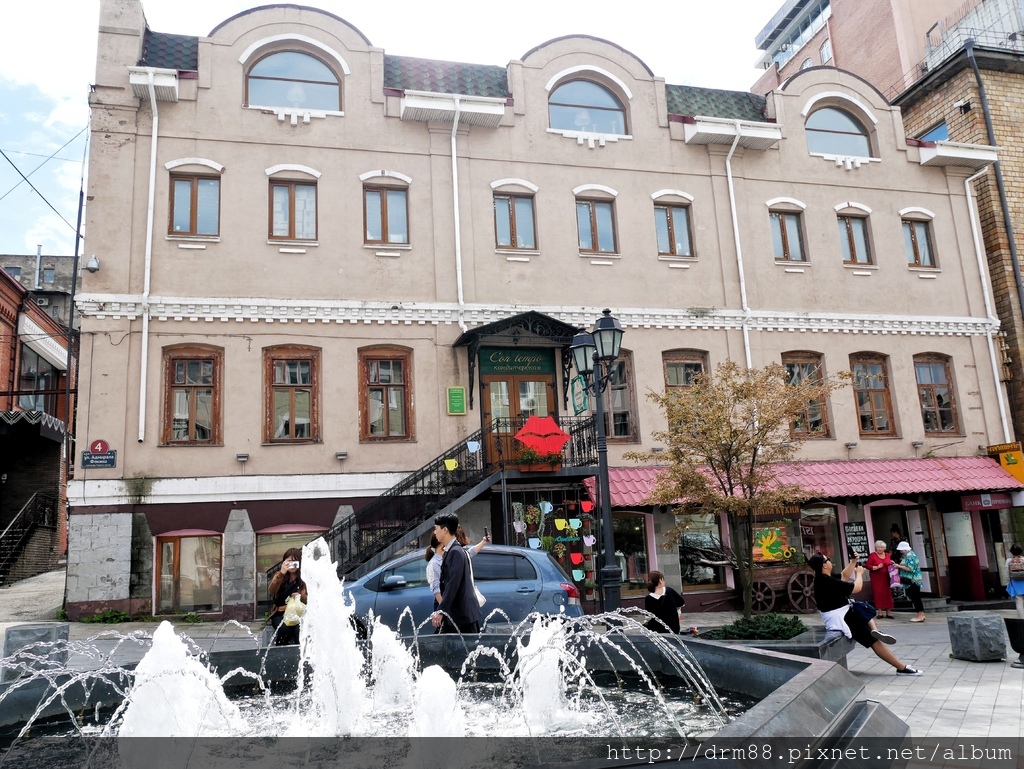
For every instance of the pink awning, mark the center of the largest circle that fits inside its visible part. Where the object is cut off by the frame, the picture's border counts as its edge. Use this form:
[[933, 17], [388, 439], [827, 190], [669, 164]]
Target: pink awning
[[866, 477]]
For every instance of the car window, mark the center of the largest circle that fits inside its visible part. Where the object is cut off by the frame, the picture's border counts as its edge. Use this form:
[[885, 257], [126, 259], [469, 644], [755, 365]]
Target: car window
[[493, 566], [414, 571]]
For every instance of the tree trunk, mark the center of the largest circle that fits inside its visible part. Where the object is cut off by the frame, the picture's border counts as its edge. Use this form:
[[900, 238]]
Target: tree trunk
[[745, 576]]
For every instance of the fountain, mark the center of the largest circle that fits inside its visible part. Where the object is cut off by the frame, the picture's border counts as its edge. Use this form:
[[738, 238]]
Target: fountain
[[603, 677]]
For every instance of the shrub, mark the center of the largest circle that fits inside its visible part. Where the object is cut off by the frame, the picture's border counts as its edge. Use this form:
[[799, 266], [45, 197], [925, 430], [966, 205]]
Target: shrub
[[759, 627], [109, 617]]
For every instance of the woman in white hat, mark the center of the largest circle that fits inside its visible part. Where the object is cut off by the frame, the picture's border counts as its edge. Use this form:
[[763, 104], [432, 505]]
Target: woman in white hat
[[910, 578]]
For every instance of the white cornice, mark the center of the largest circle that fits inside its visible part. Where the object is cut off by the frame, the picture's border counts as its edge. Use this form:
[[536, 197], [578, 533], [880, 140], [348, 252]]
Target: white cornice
[[262, 310], [45, 344]]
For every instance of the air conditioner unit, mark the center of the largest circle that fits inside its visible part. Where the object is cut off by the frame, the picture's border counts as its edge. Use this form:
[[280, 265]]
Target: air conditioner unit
[[42, 301]]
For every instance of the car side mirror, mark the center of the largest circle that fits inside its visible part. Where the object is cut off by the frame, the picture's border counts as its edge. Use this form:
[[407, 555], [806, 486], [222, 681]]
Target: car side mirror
[[393, 581]]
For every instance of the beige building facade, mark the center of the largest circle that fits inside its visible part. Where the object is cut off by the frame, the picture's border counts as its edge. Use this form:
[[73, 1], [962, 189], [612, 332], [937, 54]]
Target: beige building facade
[[326, 269]]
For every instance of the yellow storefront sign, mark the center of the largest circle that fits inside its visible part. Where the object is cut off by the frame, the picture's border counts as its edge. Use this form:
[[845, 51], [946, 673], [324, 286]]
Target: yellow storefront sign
[[1011, 458]]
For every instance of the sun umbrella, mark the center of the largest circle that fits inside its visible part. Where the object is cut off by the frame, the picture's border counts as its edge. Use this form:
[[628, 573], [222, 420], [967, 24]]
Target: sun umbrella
[[543, 435]]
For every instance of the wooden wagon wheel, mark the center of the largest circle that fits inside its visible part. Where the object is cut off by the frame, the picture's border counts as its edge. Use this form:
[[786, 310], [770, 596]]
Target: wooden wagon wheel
[[762, 597], [800, 590]]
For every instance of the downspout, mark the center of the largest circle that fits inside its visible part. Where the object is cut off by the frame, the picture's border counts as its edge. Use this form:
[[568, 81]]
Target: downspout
[[739, 248], [1007, 223], [979, 253], [455, 215], [144, 364]]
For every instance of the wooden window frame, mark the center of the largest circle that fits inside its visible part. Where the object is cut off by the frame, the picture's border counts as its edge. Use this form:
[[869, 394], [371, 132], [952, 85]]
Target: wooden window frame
[[670, 209], [883, 363], [685, 357], [787, 251], [384, 189], [193, 216], [847, 231], [914, 252], [366, 356], [290, 185], [592, 204], [172, 355], [815, 359], [513, 225], [629, 385], [944, 362], [272, 355]]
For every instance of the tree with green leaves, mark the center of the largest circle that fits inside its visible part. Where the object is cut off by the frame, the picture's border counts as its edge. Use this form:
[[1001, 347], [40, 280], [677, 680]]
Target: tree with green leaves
[[728, 434]]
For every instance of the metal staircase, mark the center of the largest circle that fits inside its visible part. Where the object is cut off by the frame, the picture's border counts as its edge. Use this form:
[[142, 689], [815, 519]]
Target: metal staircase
[[40, 510], [446, 483]]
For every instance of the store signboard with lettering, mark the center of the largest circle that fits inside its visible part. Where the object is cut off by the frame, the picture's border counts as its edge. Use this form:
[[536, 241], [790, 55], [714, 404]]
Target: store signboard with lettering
[[456, 400], [856, 533]]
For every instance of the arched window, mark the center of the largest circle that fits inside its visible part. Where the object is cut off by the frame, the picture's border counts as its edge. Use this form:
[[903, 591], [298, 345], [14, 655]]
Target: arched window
[[294, 80], [832, 131], [583, 105]]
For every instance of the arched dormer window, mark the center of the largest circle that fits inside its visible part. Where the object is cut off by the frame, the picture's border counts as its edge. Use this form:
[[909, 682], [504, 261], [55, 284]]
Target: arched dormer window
[[583, 105], [293, 80], [832, 131]]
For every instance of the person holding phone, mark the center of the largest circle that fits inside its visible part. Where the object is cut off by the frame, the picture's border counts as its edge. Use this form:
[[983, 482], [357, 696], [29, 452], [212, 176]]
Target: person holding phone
[[283, 585]]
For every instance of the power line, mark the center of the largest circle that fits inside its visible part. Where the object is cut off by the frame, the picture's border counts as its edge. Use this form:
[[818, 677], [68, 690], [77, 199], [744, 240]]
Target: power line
[[25, 178], [41, 155]]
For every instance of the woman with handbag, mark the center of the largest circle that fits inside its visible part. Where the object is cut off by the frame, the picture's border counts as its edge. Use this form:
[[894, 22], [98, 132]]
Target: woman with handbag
[[881, 594], [283, 585], [910, 576], [1015, 578]]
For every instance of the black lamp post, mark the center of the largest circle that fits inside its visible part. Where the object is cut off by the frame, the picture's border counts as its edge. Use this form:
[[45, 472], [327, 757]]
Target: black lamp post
[[593, 355]]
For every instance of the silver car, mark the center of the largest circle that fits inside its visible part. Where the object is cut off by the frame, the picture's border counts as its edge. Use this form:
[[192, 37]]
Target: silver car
[[515, 580]]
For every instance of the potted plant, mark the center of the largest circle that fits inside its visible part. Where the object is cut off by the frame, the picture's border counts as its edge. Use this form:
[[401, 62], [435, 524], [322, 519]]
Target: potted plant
[[532, 517], [532, 461], [547, 543], [559, 550], [589, 586]]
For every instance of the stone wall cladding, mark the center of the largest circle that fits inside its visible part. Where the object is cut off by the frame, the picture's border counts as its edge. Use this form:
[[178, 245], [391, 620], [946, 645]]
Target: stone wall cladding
[[1002, 90], [99, 560]]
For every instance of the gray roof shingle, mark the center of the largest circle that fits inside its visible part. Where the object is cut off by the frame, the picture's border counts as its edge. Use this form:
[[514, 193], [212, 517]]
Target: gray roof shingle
[[713, 102], [166, 51], [412, 74]]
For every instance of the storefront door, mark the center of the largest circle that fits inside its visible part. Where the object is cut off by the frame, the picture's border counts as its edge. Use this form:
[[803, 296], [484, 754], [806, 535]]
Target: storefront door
[[517, 384], [919, 534]]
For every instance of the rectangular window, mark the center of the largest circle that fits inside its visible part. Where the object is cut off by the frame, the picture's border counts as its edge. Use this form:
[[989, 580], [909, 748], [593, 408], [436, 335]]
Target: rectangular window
[[292, 211], [917, 238], [853, 240], [672, 224], [192, 396], [195, 205], [938, 412], [787, 237], [620, 420], [871, 392], [514, 222], [595, 220], [387, 216], [189, 570], [37, 374], [811, 422], [49, 275], [14, 272], [699, 544], [681, 368], [293, 402], [386, 395]]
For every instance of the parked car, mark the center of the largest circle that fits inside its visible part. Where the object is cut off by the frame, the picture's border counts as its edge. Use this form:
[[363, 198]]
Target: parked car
[[517, 580]]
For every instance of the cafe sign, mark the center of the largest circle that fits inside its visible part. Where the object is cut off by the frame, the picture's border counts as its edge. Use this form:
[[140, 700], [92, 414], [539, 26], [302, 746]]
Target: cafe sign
[[510, 360]]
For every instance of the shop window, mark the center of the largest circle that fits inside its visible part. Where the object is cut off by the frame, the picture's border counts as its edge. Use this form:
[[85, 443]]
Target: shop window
[[631, 550], [269, 549], [292, 386], [189, 569], [37, 375], [701, 551], [819, 532]]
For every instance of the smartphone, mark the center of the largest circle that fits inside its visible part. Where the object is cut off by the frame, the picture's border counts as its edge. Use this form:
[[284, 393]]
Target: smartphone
[[486, 534]]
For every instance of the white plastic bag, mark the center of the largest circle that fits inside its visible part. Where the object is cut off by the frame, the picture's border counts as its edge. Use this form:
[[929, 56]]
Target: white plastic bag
[[294, 608]]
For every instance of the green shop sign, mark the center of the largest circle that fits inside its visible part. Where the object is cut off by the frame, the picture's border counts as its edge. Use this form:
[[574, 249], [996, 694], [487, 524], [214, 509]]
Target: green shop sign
[[504, 360]]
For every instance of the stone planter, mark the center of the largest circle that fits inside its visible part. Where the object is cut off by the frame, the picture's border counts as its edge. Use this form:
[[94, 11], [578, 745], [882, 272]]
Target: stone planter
[[976, 636], [1015, 631]]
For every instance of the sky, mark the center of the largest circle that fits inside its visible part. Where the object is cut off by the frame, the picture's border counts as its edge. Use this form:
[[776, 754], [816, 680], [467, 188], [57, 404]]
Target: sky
[[45, 73]]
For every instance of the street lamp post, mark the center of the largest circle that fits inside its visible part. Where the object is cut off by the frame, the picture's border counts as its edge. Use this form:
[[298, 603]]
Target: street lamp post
[[593, 355]]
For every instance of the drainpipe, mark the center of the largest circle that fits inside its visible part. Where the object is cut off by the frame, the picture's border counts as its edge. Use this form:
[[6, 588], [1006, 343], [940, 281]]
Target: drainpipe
[[144, 364], [456, 217], [739, 248], [979, 253], [39, 261], [1007, 223]]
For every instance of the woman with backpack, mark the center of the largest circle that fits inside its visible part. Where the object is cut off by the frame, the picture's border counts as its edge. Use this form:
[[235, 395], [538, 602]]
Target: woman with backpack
[[1015, 578]]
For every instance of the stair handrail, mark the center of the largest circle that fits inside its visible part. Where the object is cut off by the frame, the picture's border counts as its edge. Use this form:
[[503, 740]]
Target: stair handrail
[[34, 511]]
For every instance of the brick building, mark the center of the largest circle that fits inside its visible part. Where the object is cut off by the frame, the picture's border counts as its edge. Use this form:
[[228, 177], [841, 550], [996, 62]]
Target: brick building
[[363, 272]]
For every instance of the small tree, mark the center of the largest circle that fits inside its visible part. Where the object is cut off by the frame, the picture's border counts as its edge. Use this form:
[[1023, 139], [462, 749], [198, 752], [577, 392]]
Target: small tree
[[727, 434]]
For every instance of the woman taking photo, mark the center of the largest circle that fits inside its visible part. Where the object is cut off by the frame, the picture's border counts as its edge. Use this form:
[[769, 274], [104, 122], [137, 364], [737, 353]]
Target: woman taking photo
[[283, 585], [881, 592]]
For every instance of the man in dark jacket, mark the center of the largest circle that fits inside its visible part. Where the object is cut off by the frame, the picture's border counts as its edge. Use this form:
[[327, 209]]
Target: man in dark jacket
[[458, 611]]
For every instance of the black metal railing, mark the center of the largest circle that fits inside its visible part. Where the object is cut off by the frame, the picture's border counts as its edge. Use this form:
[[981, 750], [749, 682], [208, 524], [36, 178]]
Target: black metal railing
[[423, 494], [39, 510]]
